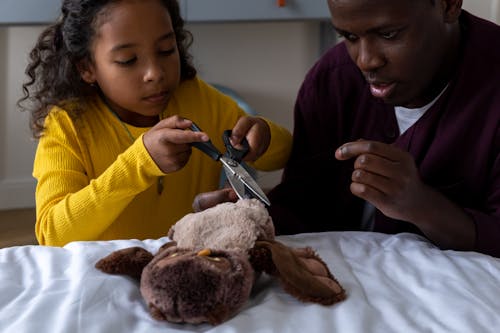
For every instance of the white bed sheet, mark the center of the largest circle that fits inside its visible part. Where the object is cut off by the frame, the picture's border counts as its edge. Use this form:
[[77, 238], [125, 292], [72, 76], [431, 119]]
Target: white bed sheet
[[394, 283]]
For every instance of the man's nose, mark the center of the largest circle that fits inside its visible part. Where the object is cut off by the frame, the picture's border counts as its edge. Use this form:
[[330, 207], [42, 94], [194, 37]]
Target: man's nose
[[369, 57]]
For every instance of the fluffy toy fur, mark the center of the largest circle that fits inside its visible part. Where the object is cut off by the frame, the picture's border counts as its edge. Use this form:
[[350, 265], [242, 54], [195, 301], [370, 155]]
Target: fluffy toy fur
[[207, 271]]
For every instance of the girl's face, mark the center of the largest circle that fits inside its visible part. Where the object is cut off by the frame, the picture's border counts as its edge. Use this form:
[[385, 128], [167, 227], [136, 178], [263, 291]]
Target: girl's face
[[135, 59]]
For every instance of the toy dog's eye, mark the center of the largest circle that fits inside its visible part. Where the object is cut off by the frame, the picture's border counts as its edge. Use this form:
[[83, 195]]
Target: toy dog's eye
[[204, 253]]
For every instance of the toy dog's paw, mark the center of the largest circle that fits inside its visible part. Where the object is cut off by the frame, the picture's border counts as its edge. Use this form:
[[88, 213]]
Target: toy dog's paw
[[320, 271], [130, 261], [302, 272]]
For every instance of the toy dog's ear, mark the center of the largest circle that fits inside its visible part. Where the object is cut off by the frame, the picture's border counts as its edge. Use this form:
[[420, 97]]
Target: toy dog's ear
[[129, 261], [301, 271], [166, 246]]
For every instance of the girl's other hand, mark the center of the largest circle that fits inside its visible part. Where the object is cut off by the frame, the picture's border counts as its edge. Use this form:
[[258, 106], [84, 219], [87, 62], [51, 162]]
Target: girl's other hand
[[168, 143], [257, 132]]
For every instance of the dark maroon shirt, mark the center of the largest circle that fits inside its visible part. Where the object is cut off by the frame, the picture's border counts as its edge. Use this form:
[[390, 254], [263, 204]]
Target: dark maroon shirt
[[455, 144]]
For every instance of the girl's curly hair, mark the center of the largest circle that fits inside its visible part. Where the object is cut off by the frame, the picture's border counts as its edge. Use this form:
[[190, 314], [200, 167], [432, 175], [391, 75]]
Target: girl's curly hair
[[52, 70]]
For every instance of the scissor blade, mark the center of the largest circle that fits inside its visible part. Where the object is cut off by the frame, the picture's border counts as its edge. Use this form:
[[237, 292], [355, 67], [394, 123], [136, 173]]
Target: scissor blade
[[242, 182]]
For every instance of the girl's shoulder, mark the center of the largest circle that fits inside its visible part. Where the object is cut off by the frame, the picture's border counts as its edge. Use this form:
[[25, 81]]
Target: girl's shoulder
[[196, 86], [74, 108], [196, 92], [201, 102], [75, 114]]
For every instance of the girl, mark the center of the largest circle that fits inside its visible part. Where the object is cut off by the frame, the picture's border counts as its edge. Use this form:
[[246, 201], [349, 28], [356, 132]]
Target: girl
[[112, 91]]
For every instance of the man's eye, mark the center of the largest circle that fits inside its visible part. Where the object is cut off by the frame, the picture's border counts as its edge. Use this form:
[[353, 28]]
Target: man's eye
[[127, 62], [389, 34], [349, 37]]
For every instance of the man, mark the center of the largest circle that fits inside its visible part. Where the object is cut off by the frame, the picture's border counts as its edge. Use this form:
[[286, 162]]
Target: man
[[397, 128]]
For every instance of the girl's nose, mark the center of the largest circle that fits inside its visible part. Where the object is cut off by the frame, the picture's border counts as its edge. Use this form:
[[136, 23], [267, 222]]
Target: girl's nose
[[153, 71]]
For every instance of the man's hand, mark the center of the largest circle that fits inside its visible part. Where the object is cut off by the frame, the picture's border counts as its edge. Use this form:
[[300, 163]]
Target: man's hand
[[385, 176], [388, 178], [209, 199]]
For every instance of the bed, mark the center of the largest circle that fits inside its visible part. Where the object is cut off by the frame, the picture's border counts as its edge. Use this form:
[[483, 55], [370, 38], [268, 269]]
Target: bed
[[394, 283]]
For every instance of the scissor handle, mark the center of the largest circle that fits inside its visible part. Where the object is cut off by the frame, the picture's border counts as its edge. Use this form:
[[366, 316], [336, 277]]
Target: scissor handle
[[207, 147], [233, 152]]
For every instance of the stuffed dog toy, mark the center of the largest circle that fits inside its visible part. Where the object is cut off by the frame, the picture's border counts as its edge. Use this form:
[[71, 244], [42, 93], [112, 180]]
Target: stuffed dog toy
[[207, 271]]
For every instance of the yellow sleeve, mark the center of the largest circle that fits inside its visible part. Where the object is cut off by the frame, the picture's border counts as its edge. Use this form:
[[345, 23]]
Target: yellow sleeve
[[72, 206]]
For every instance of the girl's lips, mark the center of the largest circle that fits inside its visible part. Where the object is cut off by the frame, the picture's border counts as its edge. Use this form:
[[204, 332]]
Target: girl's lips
[[381, 90], [157, 98]]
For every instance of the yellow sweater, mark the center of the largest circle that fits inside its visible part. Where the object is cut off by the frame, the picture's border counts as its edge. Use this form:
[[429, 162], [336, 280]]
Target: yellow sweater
[[94, 183]]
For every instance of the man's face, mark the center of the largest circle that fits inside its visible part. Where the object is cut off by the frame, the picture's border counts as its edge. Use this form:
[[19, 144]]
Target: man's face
[[399, 46]]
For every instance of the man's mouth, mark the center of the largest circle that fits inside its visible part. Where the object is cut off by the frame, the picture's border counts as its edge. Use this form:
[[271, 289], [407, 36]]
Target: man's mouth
[[381, 89]]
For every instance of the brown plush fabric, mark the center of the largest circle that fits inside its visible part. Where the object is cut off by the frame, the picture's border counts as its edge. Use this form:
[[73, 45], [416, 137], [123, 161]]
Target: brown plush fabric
[[303, 274], [206, 273], [227, 226], [130, 261], [181, 286]]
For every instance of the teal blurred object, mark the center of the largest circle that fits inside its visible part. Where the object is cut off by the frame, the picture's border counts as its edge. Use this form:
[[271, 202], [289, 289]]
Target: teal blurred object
[[250, 111], [241, 102]]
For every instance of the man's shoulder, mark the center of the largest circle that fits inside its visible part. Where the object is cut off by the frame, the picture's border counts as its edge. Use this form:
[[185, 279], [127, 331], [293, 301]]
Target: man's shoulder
[[479, 62], [481, 36]]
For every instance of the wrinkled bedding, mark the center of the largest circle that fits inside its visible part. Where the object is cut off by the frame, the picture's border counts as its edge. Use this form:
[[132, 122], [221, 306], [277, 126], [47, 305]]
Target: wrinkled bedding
[[394, 283]]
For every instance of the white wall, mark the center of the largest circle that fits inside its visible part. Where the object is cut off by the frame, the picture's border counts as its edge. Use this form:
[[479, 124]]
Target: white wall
[[264, 62], [488, 9], [16, 147]]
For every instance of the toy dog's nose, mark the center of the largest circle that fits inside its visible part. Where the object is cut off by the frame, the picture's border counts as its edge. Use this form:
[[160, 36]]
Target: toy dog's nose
[[204, 253]]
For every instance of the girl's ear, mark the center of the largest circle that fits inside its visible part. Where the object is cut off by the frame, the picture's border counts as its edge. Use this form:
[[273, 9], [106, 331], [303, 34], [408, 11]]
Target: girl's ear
[[451, 10], [86, 71]]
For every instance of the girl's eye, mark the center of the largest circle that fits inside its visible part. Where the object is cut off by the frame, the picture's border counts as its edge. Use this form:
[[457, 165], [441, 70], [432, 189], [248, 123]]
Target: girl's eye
[[167, 52], [126, 62]]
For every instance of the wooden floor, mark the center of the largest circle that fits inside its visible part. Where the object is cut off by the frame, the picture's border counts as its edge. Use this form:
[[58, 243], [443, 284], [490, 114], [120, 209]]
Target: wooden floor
[[17, 227]]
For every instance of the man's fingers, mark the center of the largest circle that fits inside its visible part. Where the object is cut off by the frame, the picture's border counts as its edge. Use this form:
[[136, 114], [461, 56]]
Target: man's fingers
[[356, 148]]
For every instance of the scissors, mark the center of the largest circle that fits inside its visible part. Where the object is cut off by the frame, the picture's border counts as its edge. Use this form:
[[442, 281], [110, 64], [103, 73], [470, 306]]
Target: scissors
[[241, 181]]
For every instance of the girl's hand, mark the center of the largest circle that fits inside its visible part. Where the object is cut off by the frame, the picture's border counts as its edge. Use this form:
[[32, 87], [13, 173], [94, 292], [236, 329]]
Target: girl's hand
[[168, 143], [257, 132]]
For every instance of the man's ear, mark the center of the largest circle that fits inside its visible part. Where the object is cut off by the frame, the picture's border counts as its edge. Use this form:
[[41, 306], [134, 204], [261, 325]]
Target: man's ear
[[451, 10], [86, 71]]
